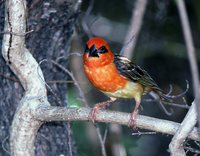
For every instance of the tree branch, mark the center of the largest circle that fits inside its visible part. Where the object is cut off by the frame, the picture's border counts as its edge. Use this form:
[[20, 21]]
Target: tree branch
[[24, 127], [50, 113], [176, 145], [135, 26]]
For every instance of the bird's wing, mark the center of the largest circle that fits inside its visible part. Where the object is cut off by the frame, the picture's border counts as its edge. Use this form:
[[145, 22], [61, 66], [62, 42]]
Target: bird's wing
[[133, 72]]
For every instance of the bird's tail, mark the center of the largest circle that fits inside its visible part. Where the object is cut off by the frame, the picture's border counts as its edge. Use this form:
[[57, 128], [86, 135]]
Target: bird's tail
[[157, 94]]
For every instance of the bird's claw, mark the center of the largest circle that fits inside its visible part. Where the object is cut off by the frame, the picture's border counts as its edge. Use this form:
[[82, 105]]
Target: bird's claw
[[93, 112], [132, 120]]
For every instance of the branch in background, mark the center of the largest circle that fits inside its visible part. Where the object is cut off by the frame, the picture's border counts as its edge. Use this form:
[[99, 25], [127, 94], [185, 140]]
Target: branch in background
[[102, 140], [84, 25], [176, 145], [135, 26]]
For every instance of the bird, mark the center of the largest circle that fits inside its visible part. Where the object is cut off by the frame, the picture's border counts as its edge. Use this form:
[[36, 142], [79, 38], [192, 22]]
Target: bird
[[116, 76]]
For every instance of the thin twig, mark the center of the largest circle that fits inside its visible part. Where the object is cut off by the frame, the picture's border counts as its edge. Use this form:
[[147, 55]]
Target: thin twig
[[176, 105], [55, 81], [169, 103], [105, 134], [46, 83], [161, 102], [179, 95], [170, 89], [123, 48], [193, 150], [144, 133], [69, 137], [26, 17], [75, 82], [14, 33], [185, 102], [102, 141], [67, 127], [85, 27], [9, 77], [165, 110], [65, 56], [60, 81], [155, 96], [3, 142]]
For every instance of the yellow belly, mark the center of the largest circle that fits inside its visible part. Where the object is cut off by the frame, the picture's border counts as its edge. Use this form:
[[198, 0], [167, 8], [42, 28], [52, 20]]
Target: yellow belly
[[131, 90]]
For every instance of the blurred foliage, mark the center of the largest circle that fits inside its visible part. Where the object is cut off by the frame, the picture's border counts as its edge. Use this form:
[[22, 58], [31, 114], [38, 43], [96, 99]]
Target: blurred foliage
[[72, 100], [83, 144]]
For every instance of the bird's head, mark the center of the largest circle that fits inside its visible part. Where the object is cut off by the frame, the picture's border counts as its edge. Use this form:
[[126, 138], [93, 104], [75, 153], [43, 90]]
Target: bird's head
[[97, 53]]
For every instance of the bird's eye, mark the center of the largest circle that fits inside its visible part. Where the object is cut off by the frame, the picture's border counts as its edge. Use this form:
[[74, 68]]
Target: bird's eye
[[87, 49], [102, 49]]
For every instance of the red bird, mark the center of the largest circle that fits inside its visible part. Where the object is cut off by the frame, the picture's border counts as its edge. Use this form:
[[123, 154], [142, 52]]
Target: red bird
[[116, 76]]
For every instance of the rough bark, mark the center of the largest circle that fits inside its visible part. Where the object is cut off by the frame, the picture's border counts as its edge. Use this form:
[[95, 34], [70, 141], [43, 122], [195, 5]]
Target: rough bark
[[53, 24]]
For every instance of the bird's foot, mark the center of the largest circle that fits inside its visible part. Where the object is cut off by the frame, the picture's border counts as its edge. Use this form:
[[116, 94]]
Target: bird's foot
[[94, 111], [132, 121]]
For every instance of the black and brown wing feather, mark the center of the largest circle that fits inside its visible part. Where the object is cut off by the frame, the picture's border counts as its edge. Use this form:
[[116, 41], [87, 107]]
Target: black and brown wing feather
[[134, 73]]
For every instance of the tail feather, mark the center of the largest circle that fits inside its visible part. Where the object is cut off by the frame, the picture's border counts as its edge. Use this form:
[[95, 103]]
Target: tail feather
[[161, 96]]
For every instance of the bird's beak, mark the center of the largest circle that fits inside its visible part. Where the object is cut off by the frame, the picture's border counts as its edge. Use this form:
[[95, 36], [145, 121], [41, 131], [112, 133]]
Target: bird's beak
[[93, 52]]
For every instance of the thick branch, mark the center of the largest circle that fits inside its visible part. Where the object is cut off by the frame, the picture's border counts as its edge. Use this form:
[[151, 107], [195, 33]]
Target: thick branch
[[14, 52], [176, 145], [24, 127], [50, 113]]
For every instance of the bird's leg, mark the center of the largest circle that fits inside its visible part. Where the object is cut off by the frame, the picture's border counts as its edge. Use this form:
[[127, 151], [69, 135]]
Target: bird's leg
[[132, 121], [96, 107]]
